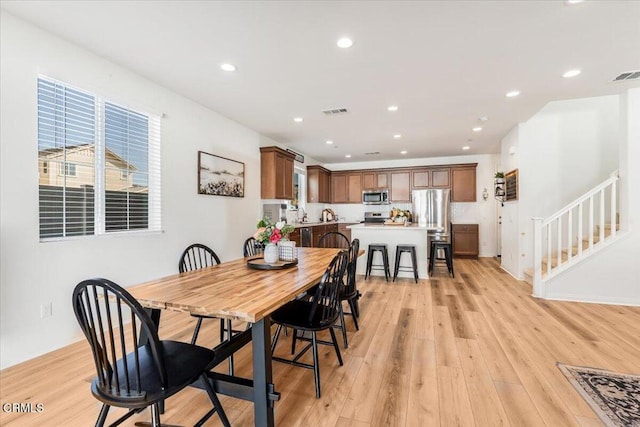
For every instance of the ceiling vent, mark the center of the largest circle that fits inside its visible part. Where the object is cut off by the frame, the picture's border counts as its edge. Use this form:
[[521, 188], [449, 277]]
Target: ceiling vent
[[631, 75], [373, 153], [334, 111]]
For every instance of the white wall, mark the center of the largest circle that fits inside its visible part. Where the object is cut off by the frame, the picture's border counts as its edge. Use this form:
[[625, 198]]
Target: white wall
[[480, 212], [34, 273], [613, 275], [563, 151], [510, 251]]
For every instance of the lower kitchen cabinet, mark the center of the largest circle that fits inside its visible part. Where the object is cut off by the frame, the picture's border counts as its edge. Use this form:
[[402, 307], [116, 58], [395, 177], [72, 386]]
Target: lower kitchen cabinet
[[465, 239]]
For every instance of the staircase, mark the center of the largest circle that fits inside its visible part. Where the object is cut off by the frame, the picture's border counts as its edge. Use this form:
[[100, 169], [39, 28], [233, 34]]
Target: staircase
[[574, 233]]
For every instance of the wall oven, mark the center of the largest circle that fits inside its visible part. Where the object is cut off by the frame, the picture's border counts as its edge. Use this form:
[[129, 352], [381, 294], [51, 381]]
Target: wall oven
[[375, 197]]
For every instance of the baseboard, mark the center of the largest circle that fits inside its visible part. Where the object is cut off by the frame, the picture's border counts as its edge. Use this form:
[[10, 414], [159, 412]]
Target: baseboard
[[601, 300]]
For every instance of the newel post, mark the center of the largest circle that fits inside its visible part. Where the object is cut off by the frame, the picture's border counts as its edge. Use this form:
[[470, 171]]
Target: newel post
[[538, 286]]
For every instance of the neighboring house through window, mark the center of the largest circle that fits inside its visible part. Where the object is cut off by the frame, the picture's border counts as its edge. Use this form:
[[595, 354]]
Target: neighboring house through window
[[108, 162]]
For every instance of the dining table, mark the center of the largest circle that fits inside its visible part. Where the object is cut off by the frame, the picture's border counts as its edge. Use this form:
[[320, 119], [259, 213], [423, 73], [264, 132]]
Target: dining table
[[234, 290]]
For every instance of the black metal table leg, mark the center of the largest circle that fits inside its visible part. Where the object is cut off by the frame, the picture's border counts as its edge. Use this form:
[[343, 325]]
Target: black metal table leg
[[262, 374]]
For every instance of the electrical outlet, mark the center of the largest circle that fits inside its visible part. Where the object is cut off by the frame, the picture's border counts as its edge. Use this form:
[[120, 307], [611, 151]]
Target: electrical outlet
[[46, 310]]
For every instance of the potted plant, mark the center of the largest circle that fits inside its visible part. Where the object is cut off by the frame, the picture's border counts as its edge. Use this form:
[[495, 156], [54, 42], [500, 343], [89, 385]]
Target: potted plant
[[499, 177], [270, 234]]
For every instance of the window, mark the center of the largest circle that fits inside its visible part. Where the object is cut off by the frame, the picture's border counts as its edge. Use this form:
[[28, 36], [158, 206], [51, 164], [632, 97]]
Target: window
[[108, 159], [69, 169]]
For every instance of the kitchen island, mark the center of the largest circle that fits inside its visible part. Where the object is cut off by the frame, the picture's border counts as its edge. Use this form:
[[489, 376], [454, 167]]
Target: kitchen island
[[393, 235]]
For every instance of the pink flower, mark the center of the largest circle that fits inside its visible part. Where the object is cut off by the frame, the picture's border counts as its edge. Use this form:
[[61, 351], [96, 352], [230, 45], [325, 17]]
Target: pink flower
[[275, 236]]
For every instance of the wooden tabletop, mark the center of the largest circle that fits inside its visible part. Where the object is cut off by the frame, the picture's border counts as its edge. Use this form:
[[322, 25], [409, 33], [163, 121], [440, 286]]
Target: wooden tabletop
[[234, 291]]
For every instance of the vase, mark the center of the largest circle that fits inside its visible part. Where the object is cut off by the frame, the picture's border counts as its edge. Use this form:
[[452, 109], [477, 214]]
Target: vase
[[271, 253]]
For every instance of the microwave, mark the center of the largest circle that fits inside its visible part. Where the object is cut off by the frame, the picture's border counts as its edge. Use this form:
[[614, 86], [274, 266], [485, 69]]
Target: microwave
[[375, 197]]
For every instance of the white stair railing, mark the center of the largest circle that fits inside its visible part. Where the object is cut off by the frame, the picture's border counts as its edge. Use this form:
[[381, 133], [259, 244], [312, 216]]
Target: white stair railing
[[572, 232]]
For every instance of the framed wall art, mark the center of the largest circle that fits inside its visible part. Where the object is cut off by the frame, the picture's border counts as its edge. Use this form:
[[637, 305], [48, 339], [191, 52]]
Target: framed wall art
[[219, 176]]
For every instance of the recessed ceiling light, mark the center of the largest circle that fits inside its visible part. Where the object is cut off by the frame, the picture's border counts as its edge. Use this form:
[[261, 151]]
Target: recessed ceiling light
[[512, 94], [228, 67], [573, 1], [483, 118], [392, 108], [347, 156], [571, 73], [477, 129], [329, 142], [466, 147], [345, 43], [403, 152], [297, 119], [397, 136]]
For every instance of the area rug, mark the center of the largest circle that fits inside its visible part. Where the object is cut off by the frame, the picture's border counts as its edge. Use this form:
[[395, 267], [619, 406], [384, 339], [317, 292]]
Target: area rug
[[614, 397]]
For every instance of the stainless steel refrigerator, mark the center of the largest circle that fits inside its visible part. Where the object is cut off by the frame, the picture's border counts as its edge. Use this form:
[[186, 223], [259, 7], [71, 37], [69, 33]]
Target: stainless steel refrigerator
[[431, 209]]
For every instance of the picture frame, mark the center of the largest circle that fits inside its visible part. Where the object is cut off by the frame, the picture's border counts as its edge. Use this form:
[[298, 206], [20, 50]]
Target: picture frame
[[511, 185], [219, 176]]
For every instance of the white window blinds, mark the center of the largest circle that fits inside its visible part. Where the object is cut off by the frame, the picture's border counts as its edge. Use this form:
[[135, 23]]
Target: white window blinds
[[99, 164]]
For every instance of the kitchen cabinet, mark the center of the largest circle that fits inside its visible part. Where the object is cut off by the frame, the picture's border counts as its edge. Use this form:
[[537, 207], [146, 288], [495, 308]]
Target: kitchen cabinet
[[342, 228], [354, 187], [463, 183], [318, 184], [276, 173], [318, 232], [375, 180], [422, 179], [338, 188], [400, 190], [440, 178], [465, 239], [294, 236], [346, 187]]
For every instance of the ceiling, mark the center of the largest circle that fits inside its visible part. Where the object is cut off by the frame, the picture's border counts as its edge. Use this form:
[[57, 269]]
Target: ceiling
[[445, 64]]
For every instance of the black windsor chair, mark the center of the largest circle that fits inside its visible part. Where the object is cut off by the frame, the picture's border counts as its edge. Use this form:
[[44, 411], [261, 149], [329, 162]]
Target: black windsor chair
[[252, 247], [133, 374], [314, 315], [333, 239], [349, 292], [195, 257]]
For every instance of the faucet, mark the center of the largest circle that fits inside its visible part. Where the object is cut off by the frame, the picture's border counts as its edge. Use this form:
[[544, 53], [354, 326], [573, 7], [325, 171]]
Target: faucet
[[304, 215]]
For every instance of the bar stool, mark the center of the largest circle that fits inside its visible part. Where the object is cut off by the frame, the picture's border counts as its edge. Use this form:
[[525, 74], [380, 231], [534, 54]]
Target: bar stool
[[446, 247], [382, 248], [411, 249]]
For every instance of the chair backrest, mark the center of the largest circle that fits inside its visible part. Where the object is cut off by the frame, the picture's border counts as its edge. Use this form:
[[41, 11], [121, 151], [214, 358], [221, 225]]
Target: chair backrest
[[197, 256], [333, 239], [252, 247], [350, 284], [326, 301], [111, 320]]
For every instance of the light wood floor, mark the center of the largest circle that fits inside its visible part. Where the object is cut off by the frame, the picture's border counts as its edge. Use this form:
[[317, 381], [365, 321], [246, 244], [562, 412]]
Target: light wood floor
[[474, 350]]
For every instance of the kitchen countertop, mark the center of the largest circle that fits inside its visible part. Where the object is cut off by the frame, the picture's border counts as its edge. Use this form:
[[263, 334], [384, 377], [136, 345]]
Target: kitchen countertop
[[312, 223], [408, 227]]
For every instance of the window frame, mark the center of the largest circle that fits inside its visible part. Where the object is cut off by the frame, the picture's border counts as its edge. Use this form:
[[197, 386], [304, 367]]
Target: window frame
[[153, 216]]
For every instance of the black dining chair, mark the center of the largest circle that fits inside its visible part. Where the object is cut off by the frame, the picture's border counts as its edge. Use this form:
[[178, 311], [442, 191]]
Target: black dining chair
[[195, 257], [252, 247], [133, 374], [314, 315], [334, 239], [349, 292]]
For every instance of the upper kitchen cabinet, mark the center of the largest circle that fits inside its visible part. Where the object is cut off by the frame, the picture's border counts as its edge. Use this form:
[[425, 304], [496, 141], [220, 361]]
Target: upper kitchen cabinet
[[463, 183], [338, 187], [400, 189], [375, 180], [318, 184], [276, 173], [430, 178], [346, 187], [441, 177], [354, 187]]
